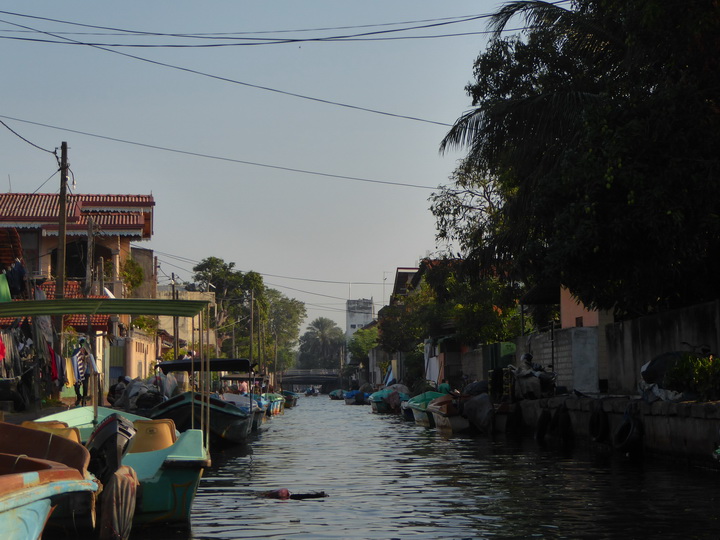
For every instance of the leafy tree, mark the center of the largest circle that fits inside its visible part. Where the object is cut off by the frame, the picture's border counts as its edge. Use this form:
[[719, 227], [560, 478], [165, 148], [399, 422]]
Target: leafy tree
[[361, 343], [285, 316], [597, 135], [131, 274], [322, 345], [478, 309]]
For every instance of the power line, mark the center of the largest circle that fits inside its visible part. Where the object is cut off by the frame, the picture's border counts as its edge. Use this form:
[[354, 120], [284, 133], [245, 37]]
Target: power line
[[225, 35], [241, 83], [53, 152], [330, 282], [220, 158]]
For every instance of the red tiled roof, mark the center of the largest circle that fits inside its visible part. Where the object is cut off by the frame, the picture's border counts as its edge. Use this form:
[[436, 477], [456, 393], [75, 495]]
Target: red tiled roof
[[128, 215], [73, 289]]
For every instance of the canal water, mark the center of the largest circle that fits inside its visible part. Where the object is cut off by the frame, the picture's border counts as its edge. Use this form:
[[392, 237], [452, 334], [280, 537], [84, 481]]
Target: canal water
[[388, 478]]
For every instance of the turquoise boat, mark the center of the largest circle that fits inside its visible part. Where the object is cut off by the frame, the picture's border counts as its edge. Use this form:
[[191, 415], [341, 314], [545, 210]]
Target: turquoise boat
[[31, 488], [338, 394], [387, 400], [418, 405], [168, 463]]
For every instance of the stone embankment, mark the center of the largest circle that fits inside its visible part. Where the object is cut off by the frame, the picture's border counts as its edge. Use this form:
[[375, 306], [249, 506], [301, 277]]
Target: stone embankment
[[688, 431]]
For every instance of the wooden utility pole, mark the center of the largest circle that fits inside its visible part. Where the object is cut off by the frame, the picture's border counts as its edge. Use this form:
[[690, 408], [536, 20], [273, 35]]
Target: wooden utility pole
[[252, 324], [175, 322], [62, 230], [59, 260]]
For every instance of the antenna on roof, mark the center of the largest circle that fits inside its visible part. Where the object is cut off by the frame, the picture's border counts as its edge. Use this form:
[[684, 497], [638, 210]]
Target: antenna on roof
[[9, 184]]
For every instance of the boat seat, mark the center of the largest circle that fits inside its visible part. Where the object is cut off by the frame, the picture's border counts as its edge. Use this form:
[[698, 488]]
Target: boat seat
[[60, 429], [153, 435]]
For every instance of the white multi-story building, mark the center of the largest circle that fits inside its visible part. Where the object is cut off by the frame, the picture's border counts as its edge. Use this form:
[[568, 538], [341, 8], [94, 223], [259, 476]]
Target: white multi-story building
[[358, 313]]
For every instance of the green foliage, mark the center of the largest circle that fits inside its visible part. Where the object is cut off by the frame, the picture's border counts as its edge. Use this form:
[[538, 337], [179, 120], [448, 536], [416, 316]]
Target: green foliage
[[361, 343], [451, 297], [131, 274], [593, 154], [146, 324], [695, 376], [321, 346]]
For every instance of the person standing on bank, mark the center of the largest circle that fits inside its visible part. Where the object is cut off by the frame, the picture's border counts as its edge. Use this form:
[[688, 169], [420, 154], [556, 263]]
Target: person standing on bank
[[83, 363]]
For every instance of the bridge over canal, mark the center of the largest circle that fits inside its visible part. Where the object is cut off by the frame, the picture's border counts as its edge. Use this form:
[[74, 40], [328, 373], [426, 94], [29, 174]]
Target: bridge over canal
[[310, 377]]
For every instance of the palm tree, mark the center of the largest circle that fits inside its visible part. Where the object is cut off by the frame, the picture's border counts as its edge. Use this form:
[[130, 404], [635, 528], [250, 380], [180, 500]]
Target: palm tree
[[321, 344]]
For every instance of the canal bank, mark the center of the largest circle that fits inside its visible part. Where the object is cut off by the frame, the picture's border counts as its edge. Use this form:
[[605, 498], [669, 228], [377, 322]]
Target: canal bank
[[687, 431]]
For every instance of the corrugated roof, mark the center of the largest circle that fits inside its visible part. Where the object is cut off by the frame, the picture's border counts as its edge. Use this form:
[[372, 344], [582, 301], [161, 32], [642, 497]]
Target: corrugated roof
[[102, 306]]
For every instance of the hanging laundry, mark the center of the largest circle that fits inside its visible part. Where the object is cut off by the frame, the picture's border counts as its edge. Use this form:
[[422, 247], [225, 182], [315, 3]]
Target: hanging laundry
[[5, 295]]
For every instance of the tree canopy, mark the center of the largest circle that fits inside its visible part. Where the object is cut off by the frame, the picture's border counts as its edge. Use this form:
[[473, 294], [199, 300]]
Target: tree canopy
[[322, 345], [593, 153], [276, 318]]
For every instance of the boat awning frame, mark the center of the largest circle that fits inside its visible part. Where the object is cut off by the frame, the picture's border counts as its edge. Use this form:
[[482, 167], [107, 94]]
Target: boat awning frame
[[215, 364], [103, 306]]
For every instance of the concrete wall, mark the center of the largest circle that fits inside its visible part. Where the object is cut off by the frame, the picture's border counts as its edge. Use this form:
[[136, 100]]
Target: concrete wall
[[630, 344], [573, 354], [687, 431]]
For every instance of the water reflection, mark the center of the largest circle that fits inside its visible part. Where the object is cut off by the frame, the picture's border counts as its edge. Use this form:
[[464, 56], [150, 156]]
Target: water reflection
[[387, 478]]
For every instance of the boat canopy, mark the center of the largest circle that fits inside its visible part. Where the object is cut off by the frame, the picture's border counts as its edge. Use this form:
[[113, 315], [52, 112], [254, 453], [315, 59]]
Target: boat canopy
[[216, 364], [103, 306]]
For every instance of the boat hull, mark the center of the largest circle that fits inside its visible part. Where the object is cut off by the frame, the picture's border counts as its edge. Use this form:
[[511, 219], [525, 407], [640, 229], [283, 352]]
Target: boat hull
[[228, 424], [422, 417], [168, 476]]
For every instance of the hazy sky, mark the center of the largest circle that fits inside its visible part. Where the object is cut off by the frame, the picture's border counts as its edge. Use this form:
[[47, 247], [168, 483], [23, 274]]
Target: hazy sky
[[247, 194]]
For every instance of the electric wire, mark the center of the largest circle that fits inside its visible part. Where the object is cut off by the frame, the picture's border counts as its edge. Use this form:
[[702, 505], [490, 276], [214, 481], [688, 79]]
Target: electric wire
[[220, 158], [242, 83]]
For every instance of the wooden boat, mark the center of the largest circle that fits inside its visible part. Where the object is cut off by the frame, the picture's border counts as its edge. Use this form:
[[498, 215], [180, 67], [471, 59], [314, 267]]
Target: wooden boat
[[38, 473], [252, 404], [276, 403], [446, 415], [418, 406], [168, 464], [228, 424], [291, 398]]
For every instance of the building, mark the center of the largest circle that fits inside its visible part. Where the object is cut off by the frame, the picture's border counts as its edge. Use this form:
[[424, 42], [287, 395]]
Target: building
[[98, 236], [358, 313]]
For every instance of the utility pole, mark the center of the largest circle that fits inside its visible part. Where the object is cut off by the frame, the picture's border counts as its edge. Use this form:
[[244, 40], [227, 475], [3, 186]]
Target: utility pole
[[89, 266], [252, 324], [175, 321], [60, 260], [62, 230]]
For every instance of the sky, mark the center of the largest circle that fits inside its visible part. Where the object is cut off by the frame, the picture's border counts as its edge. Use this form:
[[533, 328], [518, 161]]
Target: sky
[[306, 159]]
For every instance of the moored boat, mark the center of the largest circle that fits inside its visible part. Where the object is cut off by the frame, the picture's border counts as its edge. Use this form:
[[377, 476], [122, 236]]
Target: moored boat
[[31, 487], [447, 417], [388, 399], [168, 463], [337, 394], [418, 406], [228, 424], [276, 403], [291, 398]]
